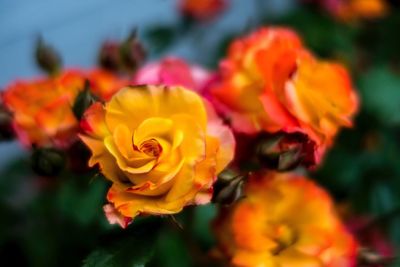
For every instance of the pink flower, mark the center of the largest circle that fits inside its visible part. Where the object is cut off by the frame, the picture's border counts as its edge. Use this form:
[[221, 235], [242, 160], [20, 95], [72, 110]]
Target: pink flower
[[173, 71]]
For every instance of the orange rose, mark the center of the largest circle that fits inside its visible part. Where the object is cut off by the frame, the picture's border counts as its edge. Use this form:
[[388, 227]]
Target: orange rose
[[42, 109], [270, 83], [202, 10], [284, 220], [355, 9], [162, 147]]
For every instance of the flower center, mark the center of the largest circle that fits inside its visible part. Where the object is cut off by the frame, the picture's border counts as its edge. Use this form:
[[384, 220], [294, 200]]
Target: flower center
[[284, 237], [151, 147]]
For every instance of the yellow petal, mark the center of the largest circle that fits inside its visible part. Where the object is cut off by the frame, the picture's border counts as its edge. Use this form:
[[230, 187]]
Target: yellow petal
[[133, 105], [96, 147], [192, 145], [151, 128], [162, 184], [184, 183], [123, 141], [145, 163], [293, 258], [131, 205], [245, 258]]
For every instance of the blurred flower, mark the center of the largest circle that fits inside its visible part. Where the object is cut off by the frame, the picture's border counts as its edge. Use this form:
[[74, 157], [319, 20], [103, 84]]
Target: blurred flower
[[284, 220], [104, 84], [173, 71], [269, 83], [162, 147], [42, 109], [376, 245], [126, 56], [202, 10], [356, 9]]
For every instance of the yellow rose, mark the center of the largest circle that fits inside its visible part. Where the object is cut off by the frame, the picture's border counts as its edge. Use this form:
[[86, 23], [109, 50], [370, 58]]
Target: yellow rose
[[162, 147]]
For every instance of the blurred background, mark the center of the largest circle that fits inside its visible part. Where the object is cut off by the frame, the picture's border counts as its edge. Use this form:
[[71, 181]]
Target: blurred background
[[51, 223], [78, 28]]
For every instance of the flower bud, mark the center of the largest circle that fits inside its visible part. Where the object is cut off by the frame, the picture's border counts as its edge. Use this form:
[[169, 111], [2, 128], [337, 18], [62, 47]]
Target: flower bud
[[228, 188], [109, 57], [47, 58], [285, 152], [126, 56], [133, 53], [48, 161], [6, 129], [83, 101]]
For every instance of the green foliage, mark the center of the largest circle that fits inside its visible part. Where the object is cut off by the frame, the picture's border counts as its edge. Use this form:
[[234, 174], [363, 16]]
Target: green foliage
[[82, 204], [322, 34], [203, 216], [172, 251], [160, 38], [380, 93], [134, 249], [380, 39]]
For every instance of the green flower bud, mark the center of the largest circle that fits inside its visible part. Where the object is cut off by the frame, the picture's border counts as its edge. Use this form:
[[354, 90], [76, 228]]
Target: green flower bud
[[47, 58], [48, 161]]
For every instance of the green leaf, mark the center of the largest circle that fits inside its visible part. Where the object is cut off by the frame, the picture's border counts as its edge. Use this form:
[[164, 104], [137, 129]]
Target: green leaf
[[81, 199], [83, 101], [380, 92], [203, 216], [135, 249], [172, 250]]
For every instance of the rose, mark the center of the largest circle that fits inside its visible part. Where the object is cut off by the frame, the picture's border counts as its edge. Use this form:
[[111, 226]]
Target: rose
[[284, 220], [173, 71], [162, 148], [104, 84], [356, 9], [42, 109], [270, 83], [202, 10]]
